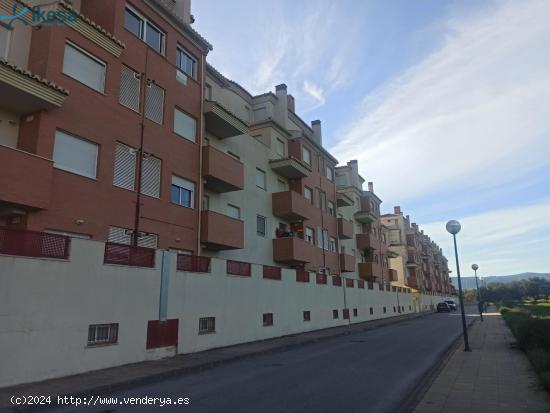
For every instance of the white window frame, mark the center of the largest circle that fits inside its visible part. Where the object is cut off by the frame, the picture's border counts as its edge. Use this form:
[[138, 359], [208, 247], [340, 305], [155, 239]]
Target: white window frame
[[68, 168], [330, 208], [207, 325], [333, 244], [193, 138], [182, 49], [310, 235], [4, 53], [112, 330], [280, 147], [186, 184], [258, 232], [143, 34], [308, 190], [329, 173], [235, 207], [261, 174], [304, 151], [91, 57]]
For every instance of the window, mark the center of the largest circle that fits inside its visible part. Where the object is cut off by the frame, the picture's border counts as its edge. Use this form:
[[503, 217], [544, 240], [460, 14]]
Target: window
[[260, 225], [150, 175], [371, 311], [207, 325], [321, 200], [329, 173], [205, 202], [280, 148], [260, 114], [187, 64], [306, 155], [234, 211], [307, 316], [330, 207], [182, 192], [84, 67], [355, 313], [310, 236], [207, 91], [102, 334], [130, 85], [125, 167], [325, 240], [281, 185], [384, 309], [75, 155], [154, 103], [332, 244], [260, 179], [5, 34], [335, 314], [185, 125], [394, 309], [144, 29], [308, 194], [267, 319]]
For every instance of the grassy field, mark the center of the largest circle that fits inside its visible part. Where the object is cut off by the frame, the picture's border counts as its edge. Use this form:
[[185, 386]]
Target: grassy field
[[530, 324]]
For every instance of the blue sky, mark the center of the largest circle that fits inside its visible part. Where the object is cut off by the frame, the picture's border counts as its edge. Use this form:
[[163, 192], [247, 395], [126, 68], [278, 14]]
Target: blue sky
[[445, 104]]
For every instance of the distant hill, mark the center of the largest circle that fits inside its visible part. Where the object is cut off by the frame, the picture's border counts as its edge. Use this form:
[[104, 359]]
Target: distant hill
[[469, 283]]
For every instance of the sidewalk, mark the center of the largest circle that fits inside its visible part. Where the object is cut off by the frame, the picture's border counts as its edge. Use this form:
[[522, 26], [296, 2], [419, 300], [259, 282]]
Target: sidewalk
[[494, 377], [123, 377]]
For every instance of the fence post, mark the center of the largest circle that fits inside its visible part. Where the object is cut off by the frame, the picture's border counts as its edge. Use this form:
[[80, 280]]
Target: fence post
[[164, 277]]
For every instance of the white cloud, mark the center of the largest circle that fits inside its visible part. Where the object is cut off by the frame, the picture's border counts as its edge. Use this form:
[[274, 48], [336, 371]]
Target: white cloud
[[315, 92], [473, 114], [504, 241]]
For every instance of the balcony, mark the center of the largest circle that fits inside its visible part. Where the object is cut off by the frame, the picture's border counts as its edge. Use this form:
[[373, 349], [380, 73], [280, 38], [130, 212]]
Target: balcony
[[365, 217], [366, 241], [411, 261], [292, 251], [221, 122], [392, 275], [290, 168], [23, 93], [222, 172], [220, 232], [292, 206], [345, 229], [367, 271], [412, 281], [343, 199], [347, 263], [25, 181]]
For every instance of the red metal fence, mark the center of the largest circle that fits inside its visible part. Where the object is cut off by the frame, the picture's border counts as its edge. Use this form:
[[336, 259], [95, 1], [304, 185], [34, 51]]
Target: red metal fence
[[33, 244], [360, 284], [321, 278], [302, 275], [349, 282], [272, 273], [337, 280], [123, 254], [193, 263], [239, 268]]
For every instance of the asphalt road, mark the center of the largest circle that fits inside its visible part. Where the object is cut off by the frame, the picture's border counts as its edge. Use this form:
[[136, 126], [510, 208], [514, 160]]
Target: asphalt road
[[372, 371]]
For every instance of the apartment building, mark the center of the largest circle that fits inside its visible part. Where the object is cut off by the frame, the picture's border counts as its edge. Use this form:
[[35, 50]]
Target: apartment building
[[100, 120], [418, 261], [364, 249], [269, 191]]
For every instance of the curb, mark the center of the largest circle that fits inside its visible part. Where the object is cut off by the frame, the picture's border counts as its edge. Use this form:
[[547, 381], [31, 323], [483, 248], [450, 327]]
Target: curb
[[109, 388]]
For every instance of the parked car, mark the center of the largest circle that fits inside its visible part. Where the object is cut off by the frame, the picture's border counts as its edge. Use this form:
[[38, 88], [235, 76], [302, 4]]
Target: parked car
[[443, 308], [451, 304]]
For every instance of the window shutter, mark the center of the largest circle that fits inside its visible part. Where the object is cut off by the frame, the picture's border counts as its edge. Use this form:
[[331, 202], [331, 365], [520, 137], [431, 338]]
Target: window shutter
[[150, 176], [319, 237], [120, 235], [129, 88], [84, 68], [185, 125], [149, 241], [74, 154], [125, 167], [154, 103]]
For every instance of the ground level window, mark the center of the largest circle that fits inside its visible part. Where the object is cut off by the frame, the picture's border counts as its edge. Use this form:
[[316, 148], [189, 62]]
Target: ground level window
[[384, 310], [207, 325], [394, 309], [102, 334], [268, 319], [371, 311], [355, 313], [307, 316], [334, 314]]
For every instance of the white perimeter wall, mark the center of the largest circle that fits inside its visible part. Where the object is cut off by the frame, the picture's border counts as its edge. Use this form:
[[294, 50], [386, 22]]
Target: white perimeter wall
[[47, 305]]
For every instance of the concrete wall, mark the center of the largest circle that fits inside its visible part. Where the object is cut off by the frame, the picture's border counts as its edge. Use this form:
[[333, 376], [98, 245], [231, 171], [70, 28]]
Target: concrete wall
[[47, 305]]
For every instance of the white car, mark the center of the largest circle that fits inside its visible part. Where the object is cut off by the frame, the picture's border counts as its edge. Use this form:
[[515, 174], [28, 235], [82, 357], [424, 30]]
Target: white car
[[451, 304]]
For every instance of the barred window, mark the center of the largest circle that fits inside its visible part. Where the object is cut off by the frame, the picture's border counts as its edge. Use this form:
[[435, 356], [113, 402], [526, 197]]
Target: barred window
[[268, 319], [260, 225], [102, 333], [207, 325]]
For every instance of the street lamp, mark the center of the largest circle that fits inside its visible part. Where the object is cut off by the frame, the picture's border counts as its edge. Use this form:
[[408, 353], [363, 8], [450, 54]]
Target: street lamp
[[479, 305], [453, 227]]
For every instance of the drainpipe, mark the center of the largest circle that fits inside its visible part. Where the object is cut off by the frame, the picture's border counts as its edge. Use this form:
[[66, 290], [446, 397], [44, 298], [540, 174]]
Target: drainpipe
[[164, 278], [201, 136]]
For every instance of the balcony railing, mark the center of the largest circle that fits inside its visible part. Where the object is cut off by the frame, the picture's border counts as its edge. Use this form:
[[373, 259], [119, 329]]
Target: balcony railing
[[367, 271], [222, 172], [221, 232], [290, 168], [292, 251], [347, 263], [345, 229], [366, 241], [33, 244], [193, 263], [291, 205], [131, 255], [221, 122]]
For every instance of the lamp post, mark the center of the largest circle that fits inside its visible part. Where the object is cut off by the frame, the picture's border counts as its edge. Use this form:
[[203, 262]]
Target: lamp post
[[453, 227], [479, 304]]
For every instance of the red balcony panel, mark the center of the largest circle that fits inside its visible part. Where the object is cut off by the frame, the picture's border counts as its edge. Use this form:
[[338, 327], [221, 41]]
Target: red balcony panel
[[33, 244], [193, 263], [367, 271], [131, 255], [221, 232], [292, 251], [345, 229], [347, 263], [25, 180], [302, 275], [349, 282], [321, 278], [222, 172], [162, 333], [366, 241], [360, 284], [292, 206], [239, 268], [272, 273], [337, 281]]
